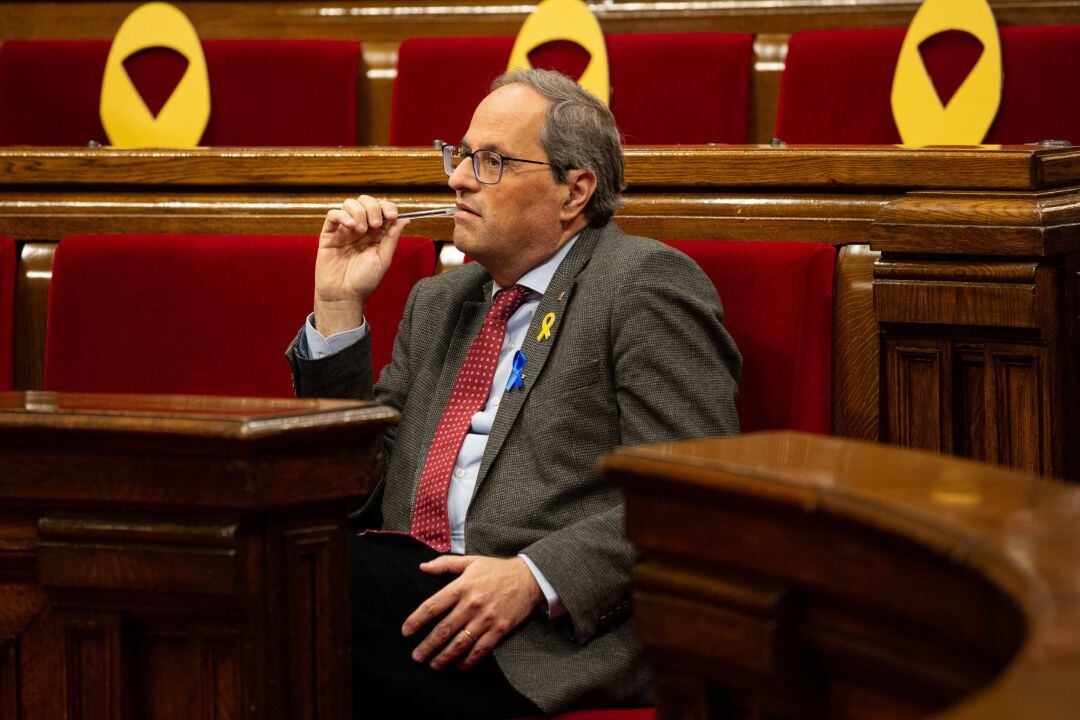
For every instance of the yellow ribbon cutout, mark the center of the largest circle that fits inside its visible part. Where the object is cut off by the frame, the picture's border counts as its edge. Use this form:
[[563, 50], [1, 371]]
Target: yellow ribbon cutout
[[565, 20], [917, 109], [545, 327], [183, 118]]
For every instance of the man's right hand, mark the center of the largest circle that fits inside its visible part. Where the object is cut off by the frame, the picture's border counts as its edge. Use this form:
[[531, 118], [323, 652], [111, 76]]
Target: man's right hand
[[355, 248]]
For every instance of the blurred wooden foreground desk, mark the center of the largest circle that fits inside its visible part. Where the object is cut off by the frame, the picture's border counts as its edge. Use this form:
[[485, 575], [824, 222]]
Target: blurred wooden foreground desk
[[801, 576], [177, 557]]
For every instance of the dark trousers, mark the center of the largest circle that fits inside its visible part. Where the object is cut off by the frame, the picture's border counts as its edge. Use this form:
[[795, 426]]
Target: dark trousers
[[386, 586]]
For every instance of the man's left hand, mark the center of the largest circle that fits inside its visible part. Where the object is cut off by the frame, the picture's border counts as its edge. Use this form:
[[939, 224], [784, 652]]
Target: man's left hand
[[491, 597]]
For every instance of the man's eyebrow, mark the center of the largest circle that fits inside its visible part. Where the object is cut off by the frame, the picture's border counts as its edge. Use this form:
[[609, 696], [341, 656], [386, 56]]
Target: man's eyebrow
[[464, 145]]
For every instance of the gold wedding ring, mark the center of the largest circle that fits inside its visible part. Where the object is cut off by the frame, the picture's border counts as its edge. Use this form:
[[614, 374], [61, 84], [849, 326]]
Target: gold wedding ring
[[469, 634]]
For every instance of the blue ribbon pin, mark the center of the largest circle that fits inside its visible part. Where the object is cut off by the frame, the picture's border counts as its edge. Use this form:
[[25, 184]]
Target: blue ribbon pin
[[514, 381]]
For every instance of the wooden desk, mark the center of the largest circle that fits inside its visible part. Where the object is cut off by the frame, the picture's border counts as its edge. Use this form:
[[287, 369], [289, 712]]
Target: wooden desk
[[806, 576], [177, 557], [961, 337]]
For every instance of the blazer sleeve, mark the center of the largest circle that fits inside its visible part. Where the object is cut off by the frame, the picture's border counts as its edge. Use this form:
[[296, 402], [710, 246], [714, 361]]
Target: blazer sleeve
[[347, 375], [675, 370]]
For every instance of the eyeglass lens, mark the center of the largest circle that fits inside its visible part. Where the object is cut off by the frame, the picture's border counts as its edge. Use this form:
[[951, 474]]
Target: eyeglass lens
[[487, 164]]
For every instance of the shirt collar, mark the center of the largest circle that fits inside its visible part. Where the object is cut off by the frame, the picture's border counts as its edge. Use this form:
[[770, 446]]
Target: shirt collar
[[540, 276]]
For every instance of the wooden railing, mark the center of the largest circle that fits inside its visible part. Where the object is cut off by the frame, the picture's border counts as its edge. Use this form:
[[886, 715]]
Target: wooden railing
[[955, 310], [787, 575]]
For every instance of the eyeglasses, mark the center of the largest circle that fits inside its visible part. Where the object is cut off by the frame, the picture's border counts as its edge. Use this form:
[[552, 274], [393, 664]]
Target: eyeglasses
[[487, 164]]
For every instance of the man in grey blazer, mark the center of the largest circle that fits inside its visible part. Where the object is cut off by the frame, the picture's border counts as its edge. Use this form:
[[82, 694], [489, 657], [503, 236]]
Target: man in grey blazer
[[618, 340]]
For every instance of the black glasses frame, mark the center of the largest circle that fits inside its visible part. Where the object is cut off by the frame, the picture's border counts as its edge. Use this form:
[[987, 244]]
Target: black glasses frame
[[448, 152]]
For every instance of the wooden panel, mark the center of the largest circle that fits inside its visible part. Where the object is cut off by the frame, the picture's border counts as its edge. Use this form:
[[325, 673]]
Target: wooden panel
[[317, 610], [918, 407], [166, 657], [1018, 376], [947, 292], [138, 554], [9, 678], [92, 665], [856, 368], [970, 388], [224, 693], [32, 290]]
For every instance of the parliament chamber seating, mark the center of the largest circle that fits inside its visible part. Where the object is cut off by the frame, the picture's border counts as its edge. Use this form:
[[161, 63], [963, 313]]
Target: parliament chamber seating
[[262, 92], [836, 84], [7, 312], [699, 82], [787, 350], [199, 315]]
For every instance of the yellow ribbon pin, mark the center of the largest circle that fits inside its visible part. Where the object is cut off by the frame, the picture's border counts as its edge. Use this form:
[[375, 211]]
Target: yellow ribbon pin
[[545, 327]]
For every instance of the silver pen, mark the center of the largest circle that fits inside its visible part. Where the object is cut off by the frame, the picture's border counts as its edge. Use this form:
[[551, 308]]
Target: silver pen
[[428, 213]]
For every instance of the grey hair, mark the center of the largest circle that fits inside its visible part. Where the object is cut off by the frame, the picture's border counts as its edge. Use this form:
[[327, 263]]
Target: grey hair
[[579, 132]]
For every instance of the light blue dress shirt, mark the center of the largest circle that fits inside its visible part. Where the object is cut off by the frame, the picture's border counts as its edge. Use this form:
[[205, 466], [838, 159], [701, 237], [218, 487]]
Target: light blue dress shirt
[[314, 345]]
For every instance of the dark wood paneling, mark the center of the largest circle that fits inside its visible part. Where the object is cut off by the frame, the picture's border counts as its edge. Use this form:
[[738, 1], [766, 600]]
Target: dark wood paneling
[[189, 554], [918, 392]]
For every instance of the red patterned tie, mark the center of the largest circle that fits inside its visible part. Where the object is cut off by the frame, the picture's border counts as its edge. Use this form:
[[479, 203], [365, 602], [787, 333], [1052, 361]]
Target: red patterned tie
[[430, 522]]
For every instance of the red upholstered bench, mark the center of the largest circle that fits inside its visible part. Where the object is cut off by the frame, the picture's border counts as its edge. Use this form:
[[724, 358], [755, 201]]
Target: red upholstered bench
[[677, 88], [778, 306], [7, 312], [262, 92], [836, 83], [207, 314]]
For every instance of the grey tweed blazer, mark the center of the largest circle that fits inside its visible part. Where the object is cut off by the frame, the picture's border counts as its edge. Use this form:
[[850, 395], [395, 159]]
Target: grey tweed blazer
[[637, 354]]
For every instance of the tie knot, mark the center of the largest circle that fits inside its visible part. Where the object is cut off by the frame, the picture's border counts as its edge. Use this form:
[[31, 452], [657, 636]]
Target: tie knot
[[508, 300]]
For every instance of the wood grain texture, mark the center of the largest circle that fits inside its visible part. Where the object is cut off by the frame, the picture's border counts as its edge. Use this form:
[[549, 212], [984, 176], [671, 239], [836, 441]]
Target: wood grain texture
[[675, 166], [919, 581], [856, 368]]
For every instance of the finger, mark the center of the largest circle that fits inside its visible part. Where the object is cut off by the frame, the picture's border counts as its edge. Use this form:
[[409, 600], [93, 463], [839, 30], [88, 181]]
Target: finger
[[388, 242], [389, 210], [442, 633], [444, 564], [338, 218], [459, 647], [431, 608], [357, 212], [373, 210], [480, 649]]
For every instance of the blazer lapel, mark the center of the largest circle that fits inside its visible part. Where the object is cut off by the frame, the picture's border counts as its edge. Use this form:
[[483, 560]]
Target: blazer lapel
[[535, 349]]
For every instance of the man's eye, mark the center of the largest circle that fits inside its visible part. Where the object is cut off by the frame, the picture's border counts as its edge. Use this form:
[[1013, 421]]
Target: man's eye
[[492, 161]]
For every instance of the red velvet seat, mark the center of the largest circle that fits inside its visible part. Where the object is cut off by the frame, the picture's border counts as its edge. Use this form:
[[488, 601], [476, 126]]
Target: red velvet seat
[[678, 88], [197, 314], [263, 92], [8, 262], [836, 84], [778, 306]]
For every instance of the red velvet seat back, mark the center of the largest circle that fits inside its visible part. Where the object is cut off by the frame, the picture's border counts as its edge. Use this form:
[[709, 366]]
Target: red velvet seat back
[[836, 84], [262, 92], [679, 88], [206, 314], [778, 306], [7, 312]]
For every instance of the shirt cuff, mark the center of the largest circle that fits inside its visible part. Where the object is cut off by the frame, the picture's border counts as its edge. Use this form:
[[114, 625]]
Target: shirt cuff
[[315, 346], [551, 605]]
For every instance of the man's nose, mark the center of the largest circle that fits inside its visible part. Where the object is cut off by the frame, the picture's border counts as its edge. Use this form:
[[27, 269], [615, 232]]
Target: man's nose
[[463, 177]]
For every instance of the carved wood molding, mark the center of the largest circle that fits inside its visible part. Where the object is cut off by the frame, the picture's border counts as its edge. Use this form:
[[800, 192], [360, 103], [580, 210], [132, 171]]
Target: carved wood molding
[[980, 223]]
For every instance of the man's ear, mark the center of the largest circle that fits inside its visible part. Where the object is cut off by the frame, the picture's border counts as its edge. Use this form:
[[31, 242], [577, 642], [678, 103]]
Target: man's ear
[[580, 186]]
